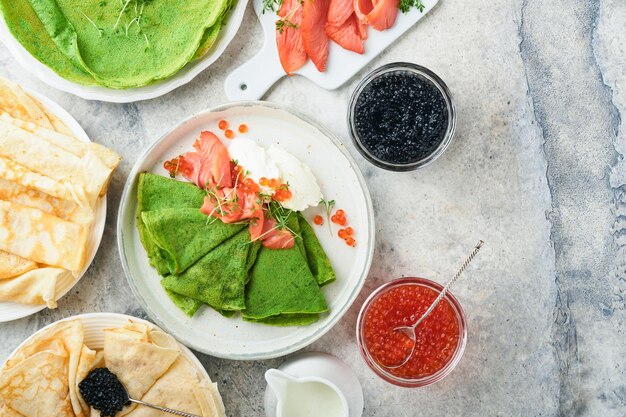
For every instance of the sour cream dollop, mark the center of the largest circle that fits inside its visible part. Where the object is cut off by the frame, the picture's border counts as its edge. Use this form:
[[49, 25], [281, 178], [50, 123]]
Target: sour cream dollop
[[280, 164]]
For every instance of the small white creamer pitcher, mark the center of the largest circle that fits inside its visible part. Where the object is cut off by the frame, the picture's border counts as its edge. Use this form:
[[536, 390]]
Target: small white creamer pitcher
[[307, 396]]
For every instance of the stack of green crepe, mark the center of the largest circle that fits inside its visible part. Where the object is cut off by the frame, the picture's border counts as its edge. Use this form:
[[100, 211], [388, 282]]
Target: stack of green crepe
[[204, 261], [115, 43]]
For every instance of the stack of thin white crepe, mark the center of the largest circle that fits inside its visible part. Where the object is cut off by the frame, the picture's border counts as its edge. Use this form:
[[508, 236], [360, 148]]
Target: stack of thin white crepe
[[50, 182], [41, 379]]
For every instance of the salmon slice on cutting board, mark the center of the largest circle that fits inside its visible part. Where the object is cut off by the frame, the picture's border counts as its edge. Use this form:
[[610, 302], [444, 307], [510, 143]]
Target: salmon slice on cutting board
[[313, 29], [289, 42], [347, 35], [380, 14], [340, 11]]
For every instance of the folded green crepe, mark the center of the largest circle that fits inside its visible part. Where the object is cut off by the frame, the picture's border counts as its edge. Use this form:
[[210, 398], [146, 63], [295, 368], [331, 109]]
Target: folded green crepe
[[185, 235], [155, 192], [317, 259], [24, 24], [113, 43], [281, 283], [219, 278]]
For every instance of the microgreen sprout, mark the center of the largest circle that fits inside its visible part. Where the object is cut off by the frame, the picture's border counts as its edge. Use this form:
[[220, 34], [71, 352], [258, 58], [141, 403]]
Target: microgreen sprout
[[93, 24]]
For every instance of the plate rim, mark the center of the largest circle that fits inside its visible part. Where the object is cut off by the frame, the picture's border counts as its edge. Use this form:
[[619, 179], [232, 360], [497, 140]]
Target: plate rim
[[106, 315], [97, 229], [123, 207], [46, 75]]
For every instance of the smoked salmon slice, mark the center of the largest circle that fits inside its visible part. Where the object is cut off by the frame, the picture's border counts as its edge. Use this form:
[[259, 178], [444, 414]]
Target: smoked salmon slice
[[347, 35], [209, 165], [313, 29], [289, 41], [381, 14], [361, 27], [340, 11]]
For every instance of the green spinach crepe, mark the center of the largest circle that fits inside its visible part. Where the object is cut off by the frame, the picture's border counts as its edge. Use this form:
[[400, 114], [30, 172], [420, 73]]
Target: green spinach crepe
[[205, 261], [282, 289], [155, 192], [317, 259], [170, 244], [185, 235], [219, 278], [115, 43]]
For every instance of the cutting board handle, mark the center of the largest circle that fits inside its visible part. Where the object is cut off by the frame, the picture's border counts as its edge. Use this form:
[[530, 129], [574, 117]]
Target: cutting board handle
[[254, 78]]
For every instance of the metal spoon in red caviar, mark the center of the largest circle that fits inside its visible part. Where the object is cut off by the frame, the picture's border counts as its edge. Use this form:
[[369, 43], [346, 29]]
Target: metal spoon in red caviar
[[409, 331]]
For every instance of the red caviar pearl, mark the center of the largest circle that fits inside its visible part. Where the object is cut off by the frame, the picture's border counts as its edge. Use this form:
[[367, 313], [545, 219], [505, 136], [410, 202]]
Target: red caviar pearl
[[350, 241], [318, 220], [243, 128], [229, 134], [342, 233], [222, 124], [264, 182], [349, 231]]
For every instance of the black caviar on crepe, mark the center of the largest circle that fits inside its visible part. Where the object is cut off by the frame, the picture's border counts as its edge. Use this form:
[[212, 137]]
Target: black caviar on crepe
[[401, 117], [103, 391]]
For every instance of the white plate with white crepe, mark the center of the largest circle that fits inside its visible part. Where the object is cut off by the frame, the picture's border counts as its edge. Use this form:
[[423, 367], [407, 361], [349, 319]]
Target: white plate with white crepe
[[61, 355], [52, 202]]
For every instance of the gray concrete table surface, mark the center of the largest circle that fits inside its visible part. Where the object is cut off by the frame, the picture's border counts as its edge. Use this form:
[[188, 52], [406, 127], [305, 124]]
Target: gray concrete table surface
[[536, 170]]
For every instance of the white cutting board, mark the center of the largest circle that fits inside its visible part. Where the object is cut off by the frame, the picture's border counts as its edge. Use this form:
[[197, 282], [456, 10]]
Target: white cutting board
[[252, 80]]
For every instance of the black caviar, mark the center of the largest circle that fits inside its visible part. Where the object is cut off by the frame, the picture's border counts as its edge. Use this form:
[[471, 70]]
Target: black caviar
[[401, 117], [103, 391]]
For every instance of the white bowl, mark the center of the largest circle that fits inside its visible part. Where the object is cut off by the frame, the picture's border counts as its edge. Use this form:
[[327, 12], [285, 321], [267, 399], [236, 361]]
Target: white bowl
[[13, 311], [339, 179], [157, 89]]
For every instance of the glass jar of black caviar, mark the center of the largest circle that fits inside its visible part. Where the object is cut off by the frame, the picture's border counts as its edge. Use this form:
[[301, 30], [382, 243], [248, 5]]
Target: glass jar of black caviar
[[401, 117]]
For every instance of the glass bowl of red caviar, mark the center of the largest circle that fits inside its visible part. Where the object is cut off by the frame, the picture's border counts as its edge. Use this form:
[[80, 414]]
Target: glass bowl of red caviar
[[440, 338]]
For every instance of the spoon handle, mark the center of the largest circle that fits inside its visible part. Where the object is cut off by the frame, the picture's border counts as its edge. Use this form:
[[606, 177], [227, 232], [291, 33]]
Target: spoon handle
[[445, 289], [164, 409]]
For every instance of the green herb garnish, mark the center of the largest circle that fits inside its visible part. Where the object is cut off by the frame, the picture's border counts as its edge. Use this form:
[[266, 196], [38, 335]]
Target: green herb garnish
[[271, 5], [283, 23], [328, 205], [406, 5]]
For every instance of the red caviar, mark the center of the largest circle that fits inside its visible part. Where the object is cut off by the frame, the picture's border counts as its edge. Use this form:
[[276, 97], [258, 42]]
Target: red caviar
[[249, 186], [177, 166], [229, 134], [437, 336], [243, 128], [222, 124], [350, 241], [283, 194], [318, 220]]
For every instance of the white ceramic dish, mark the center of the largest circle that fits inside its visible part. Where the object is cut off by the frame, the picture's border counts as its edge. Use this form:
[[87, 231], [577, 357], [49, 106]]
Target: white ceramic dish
[[254, 78], [182, 77], [324, 366], [13, 311], [339, 178], [94, 325]]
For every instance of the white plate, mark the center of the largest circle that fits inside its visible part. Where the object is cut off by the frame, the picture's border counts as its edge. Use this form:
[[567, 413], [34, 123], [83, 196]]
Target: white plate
[[339, 178], [252, 80], [14, 311], [182, 77], [94, 325]]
